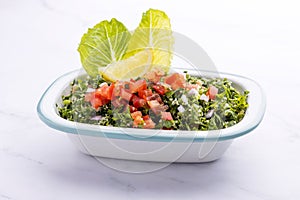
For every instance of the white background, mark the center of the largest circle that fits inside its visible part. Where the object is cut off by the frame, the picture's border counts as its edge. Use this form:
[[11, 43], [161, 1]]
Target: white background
[[258, 39]]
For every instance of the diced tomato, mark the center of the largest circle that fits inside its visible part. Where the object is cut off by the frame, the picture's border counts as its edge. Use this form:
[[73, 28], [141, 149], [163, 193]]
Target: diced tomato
[[96, 102], [127, 85], [138, 102], [153, 103], [155, 75], [134, 98], [166, 116], [138, 85], [212, 92], [109, 91], [148, 123], [175, 80], [138, 120], [132, 109], [97, 93], [156, 107], [116, 90], [154, 97], [145, 93], [142, 103], [104, 91], [136, 114], [100, 97], [146, 117], [125, 95], [160, 89]]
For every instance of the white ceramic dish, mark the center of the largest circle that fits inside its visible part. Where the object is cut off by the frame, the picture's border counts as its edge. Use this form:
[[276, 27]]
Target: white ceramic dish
[[152, 145]]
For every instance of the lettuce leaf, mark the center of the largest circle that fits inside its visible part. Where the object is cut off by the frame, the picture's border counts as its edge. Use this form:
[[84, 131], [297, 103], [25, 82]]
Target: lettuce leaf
[[103, 44], [154, 32]]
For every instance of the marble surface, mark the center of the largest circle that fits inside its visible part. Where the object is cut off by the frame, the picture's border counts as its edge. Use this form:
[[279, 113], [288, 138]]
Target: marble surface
[[258, 39]]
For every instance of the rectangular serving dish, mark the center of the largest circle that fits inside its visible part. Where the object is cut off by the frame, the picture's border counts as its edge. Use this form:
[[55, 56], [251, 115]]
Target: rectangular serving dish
[[148, 144]]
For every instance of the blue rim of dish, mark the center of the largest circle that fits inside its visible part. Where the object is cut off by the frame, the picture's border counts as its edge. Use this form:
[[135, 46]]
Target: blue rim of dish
[[164, 135]]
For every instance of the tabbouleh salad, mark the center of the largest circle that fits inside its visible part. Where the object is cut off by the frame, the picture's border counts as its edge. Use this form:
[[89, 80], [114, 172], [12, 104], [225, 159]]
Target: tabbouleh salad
[[155, 101]]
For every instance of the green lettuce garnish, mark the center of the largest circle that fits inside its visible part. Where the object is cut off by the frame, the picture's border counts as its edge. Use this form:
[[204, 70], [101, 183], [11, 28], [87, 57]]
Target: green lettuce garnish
[[103, 44], [154, 32]]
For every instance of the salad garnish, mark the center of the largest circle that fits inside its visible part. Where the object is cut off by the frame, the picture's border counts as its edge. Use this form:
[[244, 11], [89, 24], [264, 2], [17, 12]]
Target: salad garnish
[[109, 44]]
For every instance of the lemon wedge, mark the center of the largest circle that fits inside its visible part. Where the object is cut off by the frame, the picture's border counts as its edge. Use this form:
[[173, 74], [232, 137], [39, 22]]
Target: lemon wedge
[[132, 67]]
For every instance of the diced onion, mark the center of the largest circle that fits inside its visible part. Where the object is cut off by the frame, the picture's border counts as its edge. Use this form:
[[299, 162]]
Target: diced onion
[[204, 97], [181, 109], [193, 92], [184, 99], [90, 90]]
